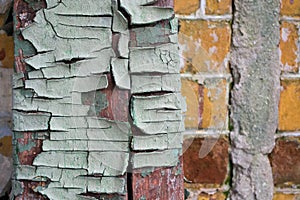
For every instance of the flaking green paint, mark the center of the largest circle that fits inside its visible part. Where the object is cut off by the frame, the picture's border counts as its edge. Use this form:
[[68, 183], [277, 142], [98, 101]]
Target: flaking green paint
[[74, 46]]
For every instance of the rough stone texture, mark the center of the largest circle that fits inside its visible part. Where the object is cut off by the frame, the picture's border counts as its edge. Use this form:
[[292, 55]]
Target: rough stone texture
[[289, 43], [290, 8], [218, 7], [256, 72], [252, 176], [204, 46], [289, 113], [255, 96], [285, 162], [186, 7], [212, 169]]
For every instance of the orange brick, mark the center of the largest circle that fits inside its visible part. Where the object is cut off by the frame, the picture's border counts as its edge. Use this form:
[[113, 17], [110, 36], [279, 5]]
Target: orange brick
[[281, 196], [288, 47], [206, 104], [290, 8], [289, 112], [191, 91], [215, 106], [6, 146], [218, 7], [186, 7], [6, 51], [217, 196], [204, 45]]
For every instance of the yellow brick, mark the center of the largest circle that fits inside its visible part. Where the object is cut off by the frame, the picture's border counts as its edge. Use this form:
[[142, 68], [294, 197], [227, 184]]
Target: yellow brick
[[217, 196], [281, 196], [215, 109], [290, 8], [204, 45], [186, 7], [288, 47], [190, 90], [289, 112], [6, 51], [6, 146], [218, 7]]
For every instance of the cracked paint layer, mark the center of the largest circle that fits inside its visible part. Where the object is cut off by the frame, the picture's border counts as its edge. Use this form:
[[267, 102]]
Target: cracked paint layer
[[74, 117], [256, 71]]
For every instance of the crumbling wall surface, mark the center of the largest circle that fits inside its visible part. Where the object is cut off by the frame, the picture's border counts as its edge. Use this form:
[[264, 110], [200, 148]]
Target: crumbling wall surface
[[95, 97], [156, 102], [255, 96]]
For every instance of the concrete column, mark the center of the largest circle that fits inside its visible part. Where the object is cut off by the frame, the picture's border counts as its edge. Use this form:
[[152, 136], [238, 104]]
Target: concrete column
[[255, 95]]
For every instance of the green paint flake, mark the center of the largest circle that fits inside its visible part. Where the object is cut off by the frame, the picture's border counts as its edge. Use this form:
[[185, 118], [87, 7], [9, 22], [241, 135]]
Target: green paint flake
[[162, 59], [167, 108], [72, 160], [144, 83], [166, 158], [102, 163], [141, 14], [121, 73], [107, 185], [30, 121]]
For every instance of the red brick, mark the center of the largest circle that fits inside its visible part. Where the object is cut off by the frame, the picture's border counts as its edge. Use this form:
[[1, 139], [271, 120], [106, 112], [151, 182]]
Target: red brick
[[212, 169], [28, 191], [285, 161], [118, 102], [162, 183]]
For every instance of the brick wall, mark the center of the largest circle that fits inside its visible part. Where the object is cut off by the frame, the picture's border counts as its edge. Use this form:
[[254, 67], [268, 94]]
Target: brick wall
[[205, 43], [285, 157], [205, 40]]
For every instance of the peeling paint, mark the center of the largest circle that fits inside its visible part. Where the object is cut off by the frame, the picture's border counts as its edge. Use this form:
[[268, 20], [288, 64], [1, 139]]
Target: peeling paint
[[156, 159], [141, 13], [71, 97], [121, 73], [162, 59]]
